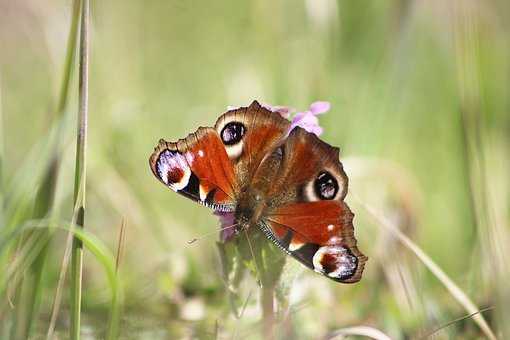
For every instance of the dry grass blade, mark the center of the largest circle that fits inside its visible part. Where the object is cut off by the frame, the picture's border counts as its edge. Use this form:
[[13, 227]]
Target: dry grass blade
[[63, 270], [365, 331], [121, 243], [454, 290], [60, 284], [448, 324]]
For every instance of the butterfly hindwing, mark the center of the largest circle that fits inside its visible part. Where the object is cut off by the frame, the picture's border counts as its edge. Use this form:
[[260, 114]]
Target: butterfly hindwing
[[307, 216], [321, 236]]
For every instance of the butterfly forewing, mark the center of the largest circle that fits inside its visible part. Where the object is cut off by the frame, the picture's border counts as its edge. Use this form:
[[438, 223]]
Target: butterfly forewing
[[250, 134], [197, 167]]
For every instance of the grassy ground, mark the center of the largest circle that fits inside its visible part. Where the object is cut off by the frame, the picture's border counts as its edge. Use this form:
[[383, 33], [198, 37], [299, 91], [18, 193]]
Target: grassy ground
[[420, 110]]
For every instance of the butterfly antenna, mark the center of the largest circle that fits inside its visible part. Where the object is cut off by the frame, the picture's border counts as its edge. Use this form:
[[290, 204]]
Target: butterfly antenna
[[198, 238]]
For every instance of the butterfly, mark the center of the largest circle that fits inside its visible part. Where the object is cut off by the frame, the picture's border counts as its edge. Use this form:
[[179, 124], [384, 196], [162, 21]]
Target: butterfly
[[252, 167]]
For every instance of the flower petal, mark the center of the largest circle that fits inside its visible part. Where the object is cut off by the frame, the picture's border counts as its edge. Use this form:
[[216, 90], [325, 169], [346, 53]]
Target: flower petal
[[227, 230], [307, 121], [319, 107]]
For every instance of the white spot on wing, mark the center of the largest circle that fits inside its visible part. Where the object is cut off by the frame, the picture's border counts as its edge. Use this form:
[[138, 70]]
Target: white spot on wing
[[202, 192], [234, 151], [335, 240], [310, 192], [293, 246]]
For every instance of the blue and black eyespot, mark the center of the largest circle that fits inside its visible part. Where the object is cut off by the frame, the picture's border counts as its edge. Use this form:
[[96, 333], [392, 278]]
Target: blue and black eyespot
[[232, 133], [326, 186], [341, 267]]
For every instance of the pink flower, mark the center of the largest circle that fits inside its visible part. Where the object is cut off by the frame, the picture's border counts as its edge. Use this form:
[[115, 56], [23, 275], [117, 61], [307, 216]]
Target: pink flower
[[228, 229], [308, 119]]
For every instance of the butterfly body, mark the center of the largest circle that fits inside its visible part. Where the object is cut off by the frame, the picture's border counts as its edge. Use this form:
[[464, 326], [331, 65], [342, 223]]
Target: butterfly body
[[255, 171]]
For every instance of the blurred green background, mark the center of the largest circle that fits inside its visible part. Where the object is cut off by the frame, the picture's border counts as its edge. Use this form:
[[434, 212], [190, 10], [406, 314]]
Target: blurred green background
[[420, 111]]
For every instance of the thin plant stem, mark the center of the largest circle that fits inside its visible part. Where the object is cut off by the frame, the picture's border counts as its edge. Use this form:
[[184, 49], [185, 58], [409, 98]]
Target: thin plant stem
[[2, 188], [268, 316], [267, 292], [70, 57], [60, 284], [28, 292], [267, 283], [80, 173]]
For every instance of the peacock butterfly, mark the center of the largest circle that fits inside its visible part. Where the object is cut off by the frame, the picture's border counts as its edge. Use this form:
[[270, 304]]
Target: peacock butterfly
[[257, 170]]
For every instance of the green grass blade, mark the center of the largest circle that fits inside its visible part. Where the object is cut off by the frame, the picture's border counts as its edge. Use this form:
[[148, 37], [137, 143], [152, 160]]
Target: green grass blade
[[28, 292], [80, 173], [89, 241]]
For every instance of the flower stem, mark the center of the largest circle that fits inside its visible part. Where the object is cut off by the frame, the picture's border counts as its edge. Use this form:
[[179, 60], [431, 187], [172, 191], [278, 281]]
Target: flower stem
[[268, 315]]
